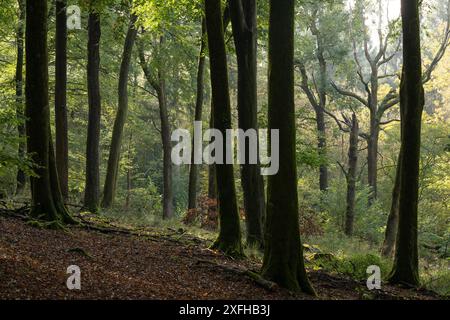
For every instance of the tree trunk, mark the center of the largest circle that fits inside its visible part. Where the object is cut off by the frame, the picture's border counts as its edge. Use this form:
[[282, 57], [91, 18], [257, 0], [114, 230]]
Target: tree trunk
[[122, 111], [92, 189], [46, 194], [351, 176], [372, 157], [322, 144], [243, 18], [212, 181], [62, 148], [392, 223], [167, 149], [21, 178], [193, 173], [406, 261], [283, 257], [320, 110], [229, 240]]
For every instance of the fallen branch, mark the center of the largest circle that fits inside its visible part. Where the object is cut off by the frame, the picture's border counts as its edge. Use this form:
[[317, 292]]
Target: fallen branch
[[269, 285]]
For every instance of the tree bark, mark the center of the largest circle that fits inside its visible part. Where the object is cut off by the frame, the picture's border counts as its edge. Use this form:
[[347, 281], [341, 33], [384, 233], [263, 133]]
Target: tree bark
[[193, 172], [167, 148], [119, 123], [47, 201], [390, 235], [406, 261], [229, 240], [62, 147], [283, 257], [351, 176], [243, 18], [21, 177], [92, 189]]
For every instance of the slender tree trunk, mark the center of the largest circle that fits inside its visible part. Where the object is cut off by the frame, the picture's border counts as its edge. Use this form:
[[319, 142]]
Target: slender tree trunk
[[47, 201], [406, 261], [167, 149], [229, 240], [243, 18], [193, 173], [351, 176], [62, 148], [283, 257], [92, 189], [21, 177], [122, 111], [322, 144], [129, 186], [372, 157], [392, 223], [320, 113], [212, 181]]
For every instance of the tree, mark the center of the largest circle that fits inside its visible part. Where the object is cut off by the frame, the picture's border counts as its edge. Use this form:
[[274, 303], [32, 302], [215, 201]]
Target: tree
[[229, 240], [350, 175], [243, 19], [378, 62], [406, 261], [21, 177], [61, 139], [158, 84], [47, 201], [193, 172], [92, 188], [392, 223], [112, 171], [283, 256]]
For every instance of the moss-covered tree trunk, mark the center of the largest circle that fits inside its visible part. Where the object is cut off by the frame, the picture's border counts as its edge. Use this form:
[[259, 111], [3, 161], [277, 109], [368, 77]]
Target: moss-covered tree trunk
[[229, 240], [406, 269], [92, 188], [112, 171], [21, 177], [47, 201], [283, 257], [243, 18], [61, 129], [193, 172]]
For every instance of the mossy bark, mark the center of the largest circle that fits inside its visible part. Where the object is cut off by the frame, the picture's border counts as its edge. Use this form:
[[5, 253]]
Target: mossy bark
[[243, 18], [406, 269], [92, 189], [283, 257], [47, 200], [229, 240]]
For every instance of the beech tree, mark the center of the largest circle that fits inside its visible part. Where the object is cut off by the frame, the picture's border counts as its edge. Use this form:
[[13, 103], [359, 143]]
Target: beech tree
[[61, 138], [47, 200], [112, 171], [406, 259], [92, 187], [229, 239], [193, 172], [21, 177], [283, 256], [243, 19]]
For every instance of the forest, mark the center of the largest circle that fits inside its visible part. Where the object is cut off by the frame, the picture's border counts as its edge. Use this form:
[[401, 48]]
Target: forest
[[225, 150]]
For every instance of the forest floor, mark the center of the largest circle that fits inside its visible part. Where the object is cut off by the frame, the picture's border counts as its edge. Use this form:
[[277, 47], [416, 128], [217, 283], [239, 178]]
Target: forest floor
[[119, 263]]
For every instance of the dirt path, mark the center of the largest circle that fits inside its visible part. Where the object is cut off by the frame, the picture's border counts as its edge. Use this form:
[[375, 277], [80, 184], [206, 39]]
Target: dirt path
[[33, 264]]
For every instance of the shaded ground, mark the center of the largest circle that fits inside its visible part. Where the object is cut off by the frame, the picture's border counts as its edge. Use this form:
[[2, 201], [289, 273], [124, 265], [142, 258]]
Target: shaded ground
[[117, 265]]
